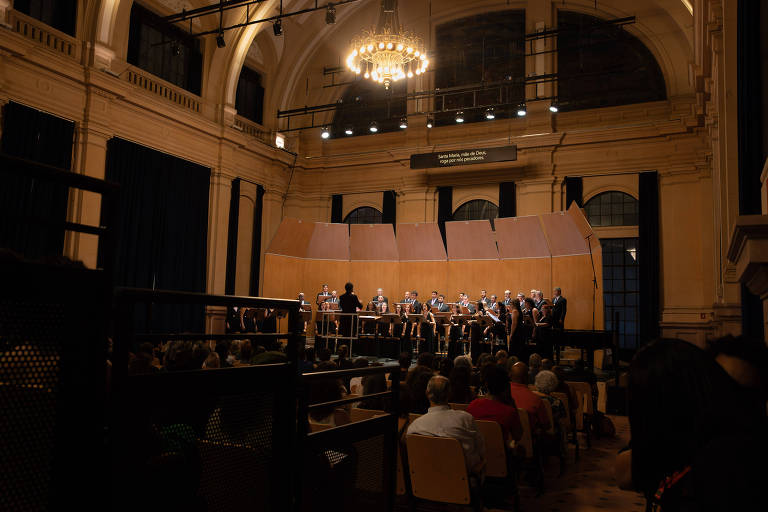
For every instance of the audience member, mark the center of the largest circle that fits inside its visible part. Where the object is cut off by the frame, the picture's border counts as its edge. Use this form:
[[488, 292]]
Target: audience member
[[526, 399], [546, 383], [212, 361], [694, 444], [222, 349], [324, 355], [547, 364], [562, 387], [444, 367], [497, 405], [465, 361], [501, 359], [375, 383], [441, 421], [461, 393], [534, 365], [417, 381], [324, 390], [746, 361], [356, 383], [482, 361], [246, 352]]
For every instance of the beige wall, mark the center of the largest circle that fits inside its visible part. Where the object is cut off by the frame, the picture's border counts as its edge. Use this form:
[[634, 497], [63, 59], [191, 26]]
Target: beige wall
[[690, 139]]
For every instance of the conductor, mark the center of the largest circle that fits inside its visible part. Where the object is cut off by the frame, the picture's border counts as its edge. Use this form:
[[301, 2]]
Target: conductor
[[349, 303]]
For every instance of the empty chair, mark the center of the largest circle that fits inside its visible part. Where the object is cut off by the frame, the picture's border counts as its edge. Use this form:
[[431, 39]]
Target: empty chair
[[566, 423], [495, 451], [584, 412], [438, 470], [363, 414]]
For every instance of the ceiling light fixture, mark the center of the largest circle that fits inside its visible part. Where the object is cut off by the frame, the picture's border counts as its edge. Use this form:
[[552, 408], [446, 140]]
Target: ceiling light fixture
[[521, 110], [403, 123], [326, 133], [373, 127], [459, 116], [387, 53], [490, 114], [430, 122], [349, 131], [554, 107]]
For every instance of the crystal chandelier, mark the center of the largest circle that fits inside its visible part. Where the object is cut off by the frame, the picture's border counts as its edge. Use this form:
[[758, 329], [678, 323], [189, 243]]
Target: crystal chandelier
[[387, 53]]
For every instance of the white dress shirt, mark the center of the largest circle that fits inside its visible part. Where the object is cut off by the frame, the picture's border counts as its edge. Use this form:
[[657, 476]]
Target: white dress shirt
[[442, 421]]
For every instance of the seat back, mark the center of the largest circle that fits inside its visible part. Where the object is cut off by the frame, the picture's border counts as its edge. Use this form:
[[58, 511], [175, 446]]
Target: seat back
[[341, 416], [438, 470], [495, 451], [412, 416], [458, 407], [318, 427], [583, 392], [363, 414], [548, 408], [566, 421], [527, 440]]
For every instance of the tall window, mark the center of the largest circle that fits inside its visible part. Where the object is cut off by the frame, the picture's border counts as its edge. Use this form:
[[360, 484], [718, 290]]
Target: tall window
[[621, 285], [477, 209], [249, 101], [479, 49], [364, 215], [365, 102], [602, 65], [612, 209], [621, 288], [164, 50], [59, 14]]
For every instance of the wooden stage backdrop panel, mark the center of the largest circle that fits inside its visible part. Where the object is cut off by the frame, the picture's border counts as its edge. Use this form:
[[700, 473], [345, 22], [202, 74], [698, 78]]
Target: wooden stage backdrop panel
[[473, 259], [423, 264], [572, 269], [526, 262], [374, 261], [284, 259]]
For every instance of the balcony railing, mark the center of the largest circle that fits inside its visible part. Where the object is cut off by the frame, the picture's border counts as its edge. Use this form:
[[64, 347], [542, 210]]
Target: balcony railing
[[257, 131], [163, 89], [44, 35]]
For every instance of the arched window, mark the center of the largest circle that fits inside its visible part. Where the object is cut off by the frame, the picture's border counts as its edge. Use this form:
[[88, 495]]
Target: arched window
[[601, 65], [364, 215], [365, 102], [477, 209], [612, 209], [486, 48]]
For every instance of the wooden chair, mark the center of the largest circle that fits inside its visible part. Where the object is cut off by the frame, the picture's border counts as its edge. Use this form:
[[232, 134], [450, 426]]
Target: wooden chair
[[318, 427], [566, 424], [438, 470], [356, 415], [585, 411], [341, 416], [527, 440], [495, 451], [459, 407], [412, 416], [548, 408]]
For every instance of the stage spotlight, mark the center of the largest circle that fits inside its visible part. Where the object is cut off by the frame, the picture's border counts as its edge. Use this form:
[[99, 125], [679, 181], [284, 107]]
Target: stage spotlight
[[403, 123], [374, 127], [554, 107], [330, 15], [430, 122], [521, 110], [349, 131], [490, 114], [277, 28], [459, 116], [220, 40], [326, 133]]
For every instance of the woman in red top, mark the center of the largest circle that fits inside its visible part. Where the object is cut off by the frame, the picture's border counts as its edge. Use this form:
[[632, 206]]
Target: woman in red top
[[497, 405]]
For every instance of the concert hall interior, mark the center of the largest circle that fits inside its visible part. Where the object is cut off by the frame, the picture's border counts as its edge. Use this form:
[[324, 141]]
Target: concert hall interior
[[308, 255]]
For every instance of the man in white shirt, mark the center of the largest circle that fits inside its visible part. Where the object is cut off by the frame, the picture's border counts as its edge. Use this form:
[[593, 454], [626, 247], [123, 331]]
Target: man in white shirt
[[442, 421]]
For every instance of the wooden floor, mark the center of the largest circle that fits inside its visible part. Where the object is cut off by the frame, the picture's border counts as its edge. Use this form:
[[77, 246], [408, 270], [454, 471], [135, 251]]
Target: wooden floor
[[588, 484]]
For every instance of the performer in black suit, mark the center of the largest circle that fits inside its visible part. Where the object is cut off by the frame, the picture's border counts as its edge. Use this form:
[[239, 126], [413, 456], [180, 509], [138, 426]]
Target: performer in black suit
[[484, 297], [559, 308], [322, 296], [379, 293], [442, 307], [507, 298], [433, 301], [415, 304], [349, 303]]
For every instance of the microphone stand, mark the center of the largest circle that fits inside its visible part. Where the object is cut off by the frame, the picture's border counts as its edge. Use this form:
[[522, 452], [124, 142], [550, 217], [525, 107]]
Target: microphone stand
[[594, 279]]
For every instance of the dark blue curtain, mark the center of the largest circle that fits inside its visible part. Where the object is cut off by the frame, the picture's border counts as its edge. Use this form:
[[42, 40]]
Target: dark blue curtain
[[507, 199], [234, 220], [389, 208], [649, 257], [574, 191], [27, 204], [752, 154], [444, 208], [163, 230], [337, 205], [258, 215]]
